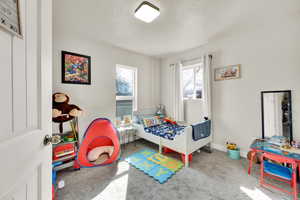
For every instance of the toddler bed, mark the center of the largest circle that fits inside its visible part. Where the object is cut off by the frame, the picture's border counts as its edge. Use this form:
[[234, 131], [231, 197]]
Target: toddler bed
[[178, 138]]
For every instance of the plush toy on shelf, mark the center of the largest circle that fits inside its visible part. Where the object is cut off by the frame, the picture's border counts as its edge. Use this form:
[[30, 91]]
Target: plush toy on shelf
[[62, 111]]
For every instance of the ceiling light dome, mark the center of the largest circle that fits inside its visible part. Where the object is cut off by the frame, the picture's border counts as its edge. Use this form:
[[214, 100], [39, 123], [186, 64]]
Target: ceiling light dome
[[146, 12]]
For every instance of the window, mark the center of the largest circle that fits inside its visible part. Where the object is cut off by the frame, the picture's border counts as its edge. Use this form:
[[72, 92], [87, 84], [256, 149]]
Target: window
[[192, 80], [126, 87]]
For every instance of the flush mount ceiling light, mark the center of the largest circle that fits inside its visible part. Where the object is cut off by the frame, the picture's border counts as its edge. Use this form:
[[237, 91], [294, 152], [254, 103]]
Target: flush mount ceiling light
[[146, 12]]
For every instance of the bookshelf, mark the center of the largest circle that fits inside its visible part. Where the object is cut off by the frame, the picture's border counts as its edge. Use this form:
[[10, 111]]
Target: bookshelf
[[64, 153]]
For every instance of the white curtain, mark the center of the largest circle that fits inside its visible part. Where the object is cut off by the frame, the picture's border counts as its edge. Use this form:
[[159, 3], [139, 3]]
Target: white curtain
[[207, 61], [176, 90]]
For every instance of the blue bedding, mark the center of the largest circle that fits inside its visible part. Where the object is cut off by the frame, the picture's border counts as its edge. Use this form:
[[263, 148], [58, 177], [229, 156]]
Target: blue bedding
[[165, 130]]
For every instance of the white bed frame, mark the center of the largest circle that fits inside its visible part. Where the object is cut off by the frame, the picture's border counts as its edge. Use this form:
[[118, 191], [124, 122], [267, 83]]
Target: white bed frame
[[182, 143]]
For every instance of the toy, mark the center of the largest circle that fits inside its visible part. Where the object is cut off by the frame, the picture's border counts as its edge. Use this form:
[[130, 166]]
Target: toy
[[231, 146], [100, 133], [62, 111], [61, 184], [63, 150], [169, 120], [286, 146]]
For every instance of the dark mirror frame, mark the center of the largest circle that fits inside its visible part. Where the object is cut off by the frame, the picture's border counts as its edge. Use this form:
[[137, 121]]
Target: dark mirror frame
[[290, 108]]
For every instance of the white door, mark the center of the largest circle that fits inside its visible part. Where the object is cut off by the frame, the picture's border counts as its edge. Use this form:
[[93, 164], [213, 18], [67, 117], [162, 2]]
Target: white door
[[25, 105]]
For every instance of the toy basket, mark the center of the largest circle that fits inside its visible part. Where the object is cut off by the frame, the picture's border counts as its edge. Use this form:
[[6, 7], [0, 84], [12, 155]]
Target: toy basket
[[234, 154]]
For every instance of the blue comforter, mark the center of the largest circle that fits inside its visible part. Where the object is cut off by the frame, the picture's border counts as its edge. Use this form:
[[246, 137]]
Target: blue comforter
[[166, 130]]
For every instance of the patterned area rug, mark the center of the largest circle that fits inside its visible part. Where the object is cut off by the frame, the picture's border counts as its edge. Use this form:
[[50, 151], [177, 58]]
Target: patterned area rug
[[156, 165]]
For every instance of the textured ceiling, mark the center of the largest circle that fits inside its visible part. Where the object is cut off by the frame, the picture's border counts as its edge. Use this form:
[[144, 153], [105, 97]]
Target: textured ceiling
[[182, 24]]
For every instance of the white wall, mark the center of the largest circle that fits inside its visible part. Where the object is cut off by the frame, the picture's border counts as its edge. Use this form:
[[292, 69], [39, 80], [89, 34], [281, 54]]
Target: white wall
[[268, 49], [98, 99]]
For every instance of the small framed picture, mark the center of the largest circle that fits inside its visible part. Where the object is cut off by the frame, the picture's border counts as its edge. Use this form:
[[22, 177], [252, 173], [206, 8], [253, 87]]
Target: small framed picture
[[10, 17], [76, 68], [228, 72], [127, 119]]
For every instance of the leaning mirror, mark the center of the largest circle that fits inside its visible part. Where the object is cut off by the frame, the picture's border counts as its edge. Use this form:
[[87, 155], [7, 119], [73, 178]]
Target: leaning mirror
[[277, 114]]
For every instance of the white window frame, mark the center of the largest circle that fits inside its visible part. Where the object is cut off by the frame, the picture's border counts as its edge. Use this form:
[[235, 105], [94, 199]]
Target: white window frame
[[200, 64], [135, 82]]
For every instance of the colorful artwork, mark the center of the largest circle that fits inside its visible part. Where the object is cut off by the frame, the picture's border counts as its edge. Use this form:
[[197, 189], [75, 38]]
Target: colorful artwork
[[76, 68], [229, 72], [158, 166]]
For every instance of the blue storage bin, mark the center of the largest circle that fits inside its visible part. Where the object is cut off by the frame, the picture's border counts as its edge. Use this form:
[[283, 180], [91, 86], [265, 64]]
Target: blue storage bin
[[234, 154]]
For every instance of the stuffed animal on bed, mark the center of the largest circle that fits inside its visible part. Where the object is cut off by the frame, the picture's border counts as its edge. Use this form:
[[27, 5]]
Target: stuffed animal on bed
[[62, 111], [169, 120]]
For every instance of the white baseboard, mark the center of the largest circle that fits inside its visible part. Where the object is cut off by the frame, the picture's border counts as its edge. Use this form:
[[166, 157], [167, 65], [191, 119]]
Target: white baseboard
[[219, 147], [224, 149]]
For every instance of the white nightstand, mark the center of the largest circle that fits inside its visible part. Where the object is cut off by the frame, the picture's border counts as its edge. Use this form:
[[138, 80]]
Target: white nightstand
[[127, 134]]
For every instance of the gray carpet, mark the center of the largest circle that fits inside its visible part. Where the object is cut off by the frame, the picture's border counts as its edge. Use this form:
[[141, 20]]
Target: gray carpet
[[212, 176]]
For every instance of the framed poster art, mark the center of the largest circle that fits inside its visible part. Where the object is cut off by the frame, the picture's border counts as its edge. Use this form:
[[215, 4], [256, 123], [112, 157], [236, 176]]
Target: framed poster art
[[10, 16], [228, 72], [76, 68]]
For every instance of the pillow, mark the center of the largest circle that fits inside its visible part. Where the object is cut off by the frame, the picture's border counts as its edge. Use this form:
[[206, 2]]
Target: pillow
[[151, 121], [95, 153]]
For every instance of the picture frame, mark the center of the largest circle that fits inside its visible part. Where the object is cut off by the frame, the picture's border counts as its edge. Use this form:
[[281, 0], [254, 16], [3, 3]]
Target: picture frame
[[127, 119], [10, 19], [228, 72], [76, 68]]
